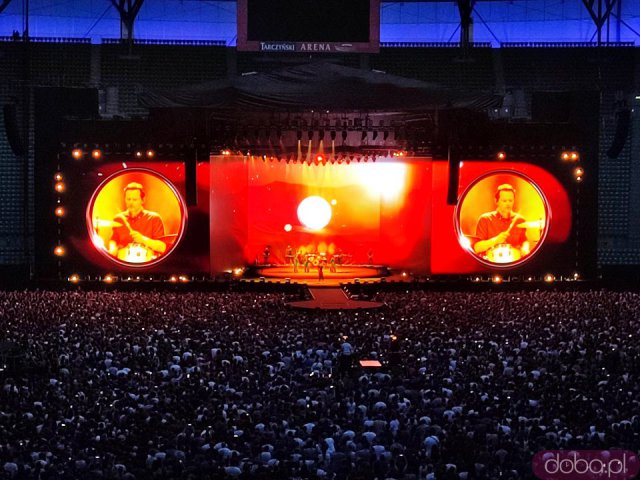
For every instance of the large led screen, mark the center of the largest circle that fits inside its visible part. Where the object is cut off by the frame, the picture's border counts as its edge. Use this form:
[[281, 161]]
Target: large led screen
[[136, 218], [360, 213], [509, 216], [132, 217]]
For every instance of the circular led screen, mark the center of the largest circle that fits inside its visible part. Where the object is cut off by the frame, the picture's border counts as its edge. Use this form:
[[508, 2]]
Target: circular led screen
[[502, 219], [136, 218]]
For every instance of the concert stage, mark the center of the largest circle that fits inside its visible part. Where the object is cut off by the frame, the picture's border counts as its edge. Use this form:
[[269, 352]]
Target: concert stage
[[343, 274]]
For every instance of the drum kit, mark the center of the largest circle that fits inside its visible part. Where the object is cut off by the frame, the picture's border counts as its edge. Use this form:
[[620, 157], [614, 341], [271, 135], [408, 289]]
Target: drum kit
[[133, 252], [506, 253]]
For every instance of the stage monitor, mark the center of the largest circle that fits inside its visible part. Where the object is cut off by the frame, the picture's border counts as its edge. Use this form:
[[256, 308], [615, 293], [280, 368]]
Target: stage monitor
[[309, 26]]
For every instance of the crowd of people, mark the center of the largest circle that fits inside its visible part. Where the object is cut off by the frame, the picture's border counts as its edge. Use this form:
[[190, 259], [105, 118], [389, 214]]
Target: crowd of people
[[126, 385]]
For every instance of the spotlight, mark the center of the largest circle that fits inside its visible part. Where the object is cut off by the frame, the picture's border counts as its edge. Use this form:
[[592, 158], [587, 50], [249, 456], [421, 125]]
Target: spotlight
[[319, 158], [502, 156], [138, 154], [60, 212], [496, 279], [237, 271], [75, 278], [60, 187], [183, 278], [96, 154], [173, 279], [578, 172], [77, 153], [58, 177], [226, 152], [288, 227], [151, 153], [549, 278], [59, 251], [108, 279], [570, 156]]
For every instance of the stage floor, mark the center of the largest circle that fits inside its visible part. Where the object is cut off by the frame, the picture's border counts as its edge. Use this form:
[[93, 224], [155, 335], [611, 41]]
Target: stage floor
[[344, 273]]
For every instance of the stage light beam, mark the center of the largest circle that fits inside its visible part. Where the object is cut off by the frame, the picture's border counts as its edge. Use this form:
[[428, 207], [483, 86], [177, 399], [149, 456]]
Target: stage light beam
[[314, 212]]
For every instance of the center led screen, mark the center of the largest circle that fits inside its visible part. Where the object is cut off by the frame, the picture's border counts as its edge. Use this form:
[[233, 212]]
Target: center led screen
[[360, 212]]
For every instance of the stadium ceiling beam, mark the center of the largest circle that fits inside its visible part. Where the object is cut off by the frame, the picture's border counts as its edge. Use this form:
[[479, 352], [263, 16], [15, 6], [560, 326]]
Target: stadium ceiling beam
[[4, 4], [465, 8], [599, 16], [128, 10]]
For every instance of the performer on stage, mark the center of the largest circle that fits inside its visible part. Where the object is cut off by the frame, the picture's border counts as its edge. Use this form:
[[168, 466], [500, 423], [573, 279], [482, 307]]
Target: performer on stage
[[139, 227], [332, 264], [320, 271], [370, 256], [502, 227], [265, 255], [289, 254], [296, 262]]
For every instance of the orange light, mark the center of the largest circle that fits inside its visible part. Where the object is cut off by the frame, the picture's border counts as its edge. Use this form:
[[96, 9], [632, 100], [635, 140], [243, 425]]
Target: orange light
[[319, 158], [497, 279], [502, 155], [96, 154], [77, 153], [183, 278], [60, 187], [151, 153], [578, 171], [59, 251], [58, 177], [108, 279], [75, 278], [549, 278], [226, 152], [570, 156], [138, 154], [60, 211], [173, 279]]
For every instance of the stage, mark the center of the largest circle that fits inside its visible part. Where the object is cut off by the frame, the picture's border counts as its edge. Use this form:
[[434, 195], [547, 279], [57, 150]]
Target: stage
[[343, 274]]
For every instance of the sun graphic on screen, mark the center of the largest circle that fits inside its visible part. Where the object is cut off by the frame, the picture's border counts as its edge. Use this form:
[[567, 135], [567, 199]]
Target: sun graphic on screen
[[314, 212]]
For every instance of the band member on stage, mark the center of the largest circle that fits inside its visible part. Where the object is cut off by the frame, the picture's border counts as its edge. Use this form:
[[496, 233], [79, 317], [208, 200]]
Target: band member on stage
[[307, 263], [332, 264], [137, 225], [370, 256], [500, 227], [296, 262], [265, 255], [289, 254], [320, 271]]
